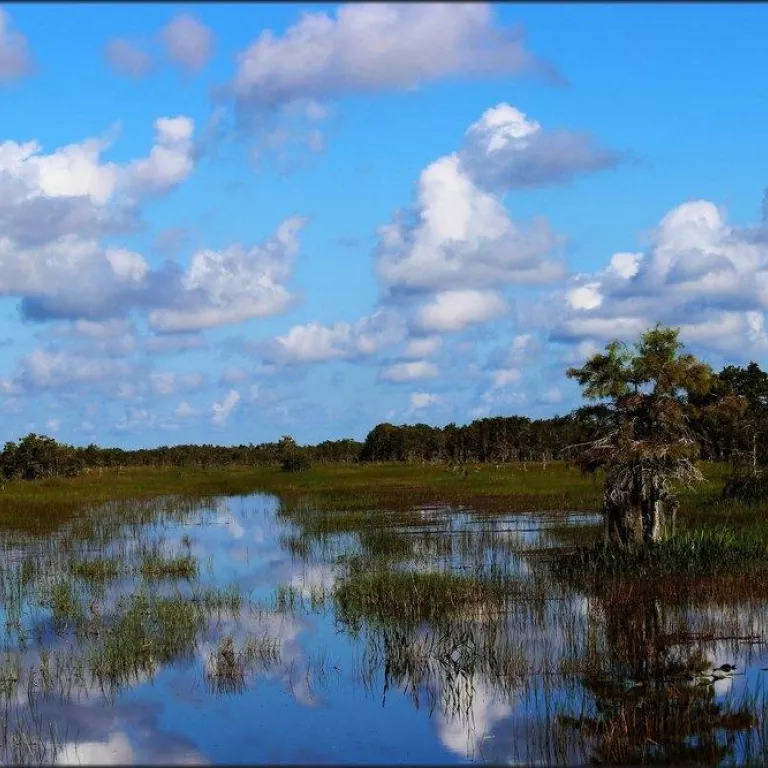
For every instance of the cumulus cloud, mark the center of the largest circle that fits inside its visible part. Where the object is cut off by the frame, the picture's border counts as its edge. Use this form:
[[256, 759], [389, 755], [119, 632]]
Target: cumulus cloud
[[187, 41], [369, 47], [128, 58], [411, 371], [699, 273], [506, 150], [49, 279], [459, 235], [170, 161], [54, 206], [43, 370], [444, 263], [222, 409], [232, 285], [454, 310], [15, 57], [72, 192], [314, 342]]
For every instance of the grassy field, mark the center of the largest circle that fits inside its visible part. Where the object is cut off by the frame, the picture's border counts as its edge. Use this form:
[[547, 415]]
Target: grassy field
[[42, 505]]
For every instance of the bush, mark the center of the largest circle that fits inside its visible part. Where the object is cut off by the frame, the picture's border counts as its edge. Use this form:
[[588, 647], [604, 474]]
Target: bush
[[295, 462]]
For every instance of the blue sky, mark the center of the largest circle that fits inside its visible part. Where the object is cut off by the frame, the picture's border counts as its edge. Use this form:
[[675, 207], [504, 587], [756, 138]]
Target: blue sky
[[224, 223]]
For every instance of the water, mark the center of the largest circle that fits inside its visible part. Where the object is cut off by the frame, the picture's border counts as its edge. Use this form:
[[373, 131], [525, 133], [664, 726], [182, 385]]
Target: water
[[489, 674]]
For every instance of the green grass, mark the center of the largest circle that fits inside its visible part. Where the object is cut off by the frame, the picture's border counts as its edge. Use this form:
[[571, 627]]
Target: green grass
[[99, 570], [40, 506], [156, 565], [380, 595]]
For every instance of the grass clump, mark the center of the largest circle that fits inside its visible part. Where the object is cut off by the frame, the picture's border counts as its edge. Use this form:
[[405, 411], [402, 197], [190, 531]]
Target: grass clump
[[690, 553], [155, 566], [383, 543], [65, 606], [147, 631], [99, 570], [228, 667], [410, 597]]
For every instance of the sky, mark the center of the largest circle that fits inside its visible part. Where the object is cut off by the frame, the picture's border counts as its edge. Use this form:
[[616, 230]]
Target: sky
[[227, 223]]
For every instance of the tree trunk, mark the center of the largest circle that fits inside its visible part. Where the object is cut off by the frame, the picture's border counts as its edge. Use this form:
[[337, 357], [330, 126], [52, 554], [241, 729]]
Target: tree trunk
[[652, 510], [622, 512]]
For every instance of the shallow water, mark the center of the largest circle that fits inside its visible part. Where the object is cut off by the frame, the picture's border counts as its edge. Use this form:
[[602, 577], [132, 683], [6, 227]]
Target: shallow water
[[364, 679]]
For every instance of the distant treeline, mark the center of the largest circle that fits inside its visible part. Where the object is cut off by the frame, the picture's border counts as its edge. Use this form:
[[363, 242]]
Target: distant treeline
[[737, 430]]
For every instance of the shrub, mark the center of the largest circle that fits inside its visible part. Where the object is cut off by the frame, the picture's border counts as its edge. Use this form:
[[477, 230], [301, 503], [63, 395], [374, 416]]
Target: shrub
[[295, 462]]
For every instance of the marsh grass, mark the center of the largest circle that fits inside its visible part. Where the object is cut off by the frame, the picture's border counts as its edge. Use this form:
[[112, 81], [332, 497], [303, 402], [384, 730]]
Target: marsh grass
[[156, 565], [450, 591], [690, 553], [228, 668], [144, 633], [99, 569], [412, 597]]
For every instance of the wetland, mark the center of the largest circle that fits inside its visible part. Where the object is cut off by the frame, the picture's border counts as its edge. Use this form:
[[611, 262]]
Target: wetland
[[372, 614]]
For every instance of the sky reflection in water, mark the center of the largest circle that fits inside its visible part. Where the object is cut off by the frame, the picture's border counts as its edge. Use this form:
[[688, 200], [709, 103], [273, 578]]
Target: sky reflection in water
[[334, 696]]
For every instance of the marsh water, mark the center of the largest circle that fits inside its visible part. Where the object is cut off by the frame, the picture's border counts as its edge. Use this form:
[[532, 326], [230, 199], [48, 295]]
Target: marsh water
[[231, 630]]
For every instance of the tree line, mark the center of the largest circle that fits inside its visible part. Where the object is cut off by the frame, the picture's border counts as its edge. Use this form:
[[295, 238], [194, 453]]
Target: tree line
[[729, 421]]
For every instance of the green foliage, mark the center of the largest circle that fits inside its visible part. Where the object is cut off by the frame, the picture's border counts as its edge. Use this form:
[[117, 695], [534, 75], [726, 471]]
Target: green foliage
[[37, 456], [292, 457]]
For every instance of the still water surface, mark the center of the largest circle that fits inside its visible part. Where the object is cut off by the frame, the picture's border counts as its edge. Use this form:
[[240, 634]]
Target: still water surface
[[363, 680]]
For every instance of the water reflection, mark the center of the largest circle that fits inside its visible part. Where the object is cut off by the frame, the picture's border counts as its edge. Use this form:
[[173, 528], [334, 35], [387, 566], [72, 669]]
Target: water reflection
[[233, 631]]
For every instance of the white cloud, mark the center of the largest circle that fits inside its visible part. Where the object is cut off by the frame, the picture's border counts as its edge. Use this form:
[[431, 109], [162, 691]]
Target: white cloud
[[506, 376], [15, 58], [506, 150], [423, 347], [424, 400], [401, 372], [74, 170], [314, 342], [233, 285], [59, 370], [185, 411], [187, 41], [584, 296], [127, 58], [221, 410], [170, 160], [72, 192], [699, 273], [173, 383], [49, 277], [454, 310], [372, 47], [461, 236]]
